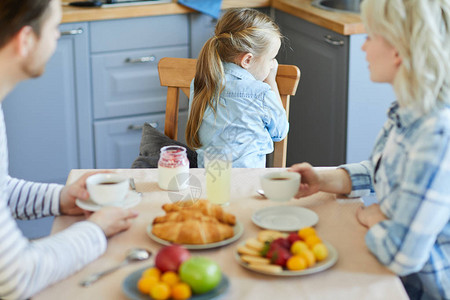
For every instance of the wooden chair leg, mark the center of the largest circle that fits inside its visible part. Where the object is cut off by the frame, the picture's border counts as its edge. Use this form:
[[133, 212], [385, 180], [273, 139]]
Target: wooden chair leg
[[279, 159], [171, 121]]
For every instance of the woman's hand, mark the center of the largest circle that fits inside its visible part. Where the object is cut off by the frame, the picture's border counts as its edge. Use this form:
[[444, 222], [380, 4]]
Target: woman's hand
[[310, 179], [113, 220], [331, 180], [370, 215], [70, 193]]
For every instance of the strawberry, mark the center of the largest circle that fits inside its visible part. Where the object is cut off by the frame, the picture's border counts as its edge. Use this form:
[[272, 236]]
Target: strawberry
[[282, 242], [279, 256], [293, 237]]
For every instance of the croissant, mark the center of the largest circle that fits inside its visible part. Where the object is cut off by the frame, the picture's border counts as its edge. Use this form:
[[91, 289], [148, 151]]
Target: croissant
[[192, 231], [206, 208], [183, 215]]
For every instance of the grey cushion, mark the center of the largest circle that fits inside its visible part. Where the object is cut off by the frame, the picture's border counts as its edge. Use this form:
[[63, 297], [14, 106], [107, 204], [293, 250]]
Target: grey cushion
[[151, 142]]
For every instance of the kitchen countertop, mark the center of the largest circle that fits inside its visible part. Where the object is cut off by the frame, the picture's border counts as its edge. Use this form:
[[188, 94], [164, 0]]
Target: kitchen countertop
[[342, 23], [82, 14]]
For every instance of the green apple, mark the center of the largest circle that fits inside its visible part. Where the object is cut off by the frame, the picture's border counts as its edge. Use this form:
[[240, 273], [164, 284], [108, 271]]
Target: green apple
[[200, 273]]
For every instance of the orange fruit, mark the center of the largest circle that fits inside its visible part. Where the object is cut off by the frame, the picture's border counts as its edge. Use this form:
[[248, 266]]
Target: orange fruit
[[160, 291], [145, 284], [320, 251], [296, 263], [155, 272], [298, 247], [312, 240], [305, 232], [308, 255], [181, 291], [170, 277]]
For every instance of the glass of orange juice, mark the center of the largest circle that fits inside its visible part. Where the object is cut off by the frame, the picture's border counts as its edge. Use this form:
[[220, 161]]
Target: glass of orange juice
[[218, 161]]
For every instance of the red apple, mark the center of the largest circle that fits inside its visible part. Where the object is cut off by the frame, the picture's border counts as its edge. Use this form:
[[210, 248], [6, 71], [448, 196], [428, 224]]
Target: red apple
[[170, 258]]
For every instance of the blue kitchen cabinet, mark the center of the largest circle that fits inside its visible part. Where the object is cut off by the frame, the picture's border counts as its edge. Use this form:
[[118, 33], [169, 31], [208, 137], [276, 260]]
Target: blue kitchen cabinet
[[47, 118], [121, 88], [102, 72], [118, 140], [337, 111], [202, 28], [125, 83], [318, 111]]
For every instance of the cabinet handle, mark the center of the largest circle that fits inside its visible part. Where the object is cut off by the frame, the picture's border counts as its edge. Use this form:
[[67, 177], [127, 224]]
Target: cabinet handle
[[143, 59], [330, 40], [140, 127], [72, 32]]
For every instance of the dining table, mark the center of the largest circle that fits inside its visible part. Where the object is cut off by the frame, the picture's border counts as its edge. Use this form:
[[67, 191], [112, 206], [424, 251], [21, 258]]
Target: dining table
[[357, 274]]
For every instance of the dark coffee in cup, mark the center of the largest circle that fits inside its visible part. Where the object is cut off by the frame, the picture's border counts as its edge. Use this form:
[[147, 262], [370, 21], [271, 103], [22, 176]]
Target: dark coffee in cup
[[279, 178]]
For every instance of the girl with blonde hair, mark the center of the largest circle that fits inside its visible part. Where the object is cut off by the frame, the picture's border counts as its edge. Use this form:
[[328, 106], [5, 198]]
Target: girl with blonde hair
[[235, 103], [408, 46]]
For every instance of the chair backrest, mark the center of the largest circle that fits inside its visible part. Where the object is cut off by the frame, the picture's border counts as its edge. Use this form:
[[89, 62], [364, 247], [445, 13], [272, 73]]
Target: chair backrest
[[177, 73]]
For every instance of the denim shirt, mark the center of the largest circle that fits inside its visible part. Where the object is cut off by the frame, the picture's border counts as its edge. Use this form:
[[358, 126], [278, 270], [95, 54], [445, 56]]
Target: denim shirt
[[409, 170], [249, 117]]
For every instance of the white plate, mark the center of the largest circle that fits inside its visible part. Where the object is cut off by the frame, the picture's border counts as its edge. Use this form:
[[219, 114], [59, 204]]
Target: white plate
[[238, 231], [132, 199], [318, 267], [285, 218]]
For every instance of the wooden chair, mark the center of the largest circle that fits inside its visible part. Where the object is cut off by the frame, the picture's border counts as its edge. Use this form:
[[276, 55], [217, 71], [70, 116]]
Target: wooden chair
[[177, 73]]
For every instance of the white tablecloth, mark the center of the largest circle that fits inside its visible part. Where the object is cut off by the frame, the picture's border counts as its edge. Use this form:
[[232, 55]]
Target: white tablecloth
[[356, 275]]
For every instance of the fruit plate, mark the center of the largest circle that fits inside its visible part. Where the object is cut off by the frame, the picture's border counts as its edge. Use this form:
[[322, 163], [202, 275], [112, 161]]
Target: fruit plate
[[284, 218], [238, 231], [129, 287], [318, 267]]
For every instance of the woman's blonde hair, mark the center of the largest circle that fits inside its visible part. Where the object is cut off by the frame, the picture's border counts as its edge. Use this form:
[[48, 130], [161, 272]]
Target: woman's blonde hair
[[420, 31], [238, 31]]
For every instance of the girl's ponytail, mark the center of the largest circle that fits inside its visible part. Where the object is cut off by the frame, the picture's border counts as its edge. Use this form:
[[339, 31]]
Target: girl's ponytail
[[208, 84]]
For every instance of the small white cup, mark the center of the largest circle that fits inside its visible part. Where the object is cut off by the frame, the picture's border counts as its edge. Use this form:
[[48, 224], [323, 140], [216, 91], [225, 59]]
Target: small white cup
[[107, 188], [280, 186]]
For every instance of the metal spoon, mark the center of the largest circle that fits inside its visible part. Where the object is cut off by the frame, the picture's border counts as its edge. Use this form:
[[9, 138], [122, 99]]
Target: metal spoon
[[133, 186], [135, 254], [261, 192]]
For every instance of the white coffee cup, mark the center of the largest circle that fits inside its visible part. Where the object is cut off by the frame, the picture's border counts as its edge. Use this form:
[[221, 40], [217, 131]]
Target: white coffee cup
[[107, 188], [280, 186]]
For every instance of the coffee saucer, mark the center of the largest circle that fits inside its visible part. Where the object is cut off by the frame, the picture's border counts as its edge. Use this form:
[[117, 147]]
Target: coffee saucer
[[284, 218], [132, 199]]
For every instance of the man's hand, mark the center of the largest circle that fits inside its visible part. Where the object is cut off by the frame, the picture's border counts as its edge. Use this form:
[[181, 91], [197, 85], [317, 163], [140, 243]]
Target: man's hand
[[70, 193], [113, 220], [370, 215]]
